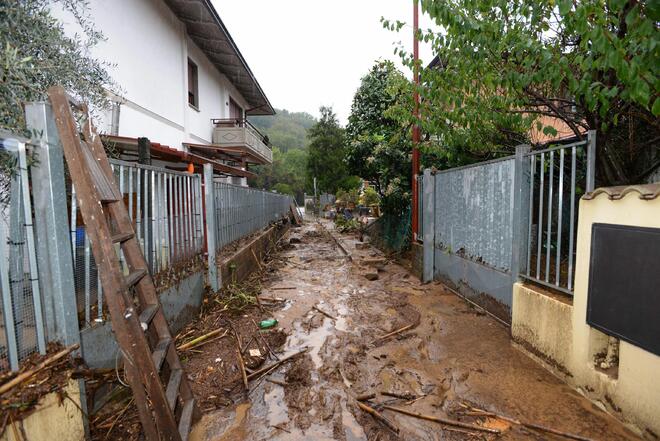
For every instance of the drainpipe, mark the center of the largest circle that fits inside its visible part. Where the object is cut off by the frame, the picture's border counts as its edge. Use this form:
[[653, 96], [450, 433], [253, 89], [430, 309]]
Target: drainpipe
[[415, 129]]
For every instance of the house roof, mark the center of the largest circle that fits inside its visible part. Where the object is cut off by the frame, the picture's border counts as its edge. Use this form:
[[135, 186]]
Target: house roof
[[205, 28], [166, 153]]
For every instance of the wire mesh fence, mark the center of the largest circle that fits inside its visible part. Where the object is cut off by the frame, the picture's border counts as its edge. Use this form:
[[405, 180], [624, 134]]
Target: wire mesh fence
[[166, 210], [21, 328]]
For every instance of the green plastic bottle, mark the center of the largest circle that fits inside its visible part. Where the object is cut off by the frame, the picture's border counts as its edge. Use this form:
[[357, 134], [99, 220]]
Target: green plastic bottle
[[269, 323]]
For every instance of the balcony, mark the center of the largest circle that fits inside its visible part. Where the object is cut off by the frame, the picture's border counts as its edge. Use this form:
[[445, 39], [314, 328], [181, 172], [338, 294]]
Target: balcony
[[239, 136]]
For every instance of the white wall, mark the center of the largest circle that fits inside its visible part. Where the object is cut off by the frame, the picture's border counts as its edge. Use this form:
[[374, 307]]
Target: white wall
[[149, 48]]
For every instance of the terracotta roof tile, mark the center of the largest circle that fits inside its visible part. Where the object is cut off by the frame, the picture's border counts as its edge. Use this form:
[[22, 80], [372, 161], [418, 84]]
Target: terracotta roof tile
[[645, 191]]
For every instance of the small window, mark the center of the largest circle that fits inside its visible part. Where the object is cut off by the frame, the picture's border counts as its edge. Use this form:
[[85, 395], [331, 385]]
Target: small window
[[193, 90]]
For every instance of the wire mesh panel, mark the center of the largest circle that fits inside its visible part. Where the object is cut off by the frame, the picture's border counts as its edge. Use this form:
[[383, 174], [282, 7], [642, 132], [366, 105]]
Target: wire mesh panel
[[21, 328], [166, 210], [240, 211]]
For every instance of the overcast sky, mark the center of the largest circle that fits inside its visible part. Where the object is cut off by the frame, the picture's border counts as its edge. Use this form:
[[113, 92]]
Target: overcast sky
[[308, 53]]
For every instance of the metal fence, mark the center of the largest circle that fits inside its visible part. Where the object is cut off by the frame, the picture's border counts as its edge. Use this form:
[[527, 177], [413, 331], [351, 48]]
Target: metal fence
[[493, 222], [240, 211], [474, 210], [166, 209], [234, 212], [558, 176], [22, 327], [420, 208]]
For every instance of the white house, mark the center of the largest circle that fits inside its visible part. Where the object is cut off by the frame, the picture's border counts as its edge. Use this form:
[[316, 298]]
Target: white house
[[184, 83]]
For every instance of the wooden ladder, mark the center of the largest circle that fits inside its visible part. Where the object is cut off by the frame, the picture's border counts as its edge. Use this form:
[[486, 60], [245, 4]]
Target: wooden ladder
[[138, 322]]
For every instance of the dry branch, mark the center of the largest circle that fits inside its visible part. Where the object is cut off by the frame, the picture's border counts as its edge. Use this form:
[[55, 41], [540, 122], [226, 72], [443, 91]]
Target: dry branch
[[373, 412], [269, 368], [398, 331], [324, 313], [442, 420], [26, 375], [530, 425], [194, 342], [241, 364]]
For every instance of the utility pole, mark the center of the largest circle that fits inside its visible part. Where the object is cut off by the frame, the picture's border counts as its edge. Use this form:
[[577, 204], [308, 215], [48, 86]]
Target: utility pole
[[415, 129]]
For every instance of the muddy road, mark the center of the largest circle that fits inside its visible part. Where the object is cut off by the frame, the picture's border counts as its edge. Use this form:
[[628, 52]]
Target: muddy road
[[450, 359]]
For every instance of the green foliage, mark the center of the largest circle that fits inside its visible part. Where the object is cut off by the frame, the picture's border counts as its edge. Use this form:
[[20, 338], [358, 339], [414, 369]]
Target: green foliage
[[326, 155], [288, 168], [344, 225], [36, 54], [351, 196], [283, 188], [287, 133], [286, 130], [369, 197], [379, 144], [590, 63]]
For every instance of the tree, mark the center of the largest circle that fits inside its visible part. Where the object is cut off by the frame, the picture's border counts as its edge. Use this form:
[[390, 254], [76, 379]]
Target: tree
[[378, 141], [326, 161], [592, 64], [37, 54], [286, 130]]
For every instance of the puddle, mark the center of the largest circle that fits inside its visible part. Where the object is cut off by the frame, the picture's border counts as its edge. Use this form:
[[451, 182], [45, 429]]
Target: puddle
[[277, 410], [314, 340]]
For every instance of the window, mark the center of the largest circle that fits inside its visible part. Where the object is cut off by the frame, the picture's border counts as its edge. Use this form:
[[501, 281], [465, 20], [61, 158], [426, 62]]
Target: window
[[193, 90]]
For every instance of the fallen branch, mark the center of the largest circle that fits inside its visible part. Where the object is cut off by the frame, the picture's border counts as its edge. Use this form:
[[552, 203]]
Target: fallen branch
[[365, 397], [241, 364], [26, 375], [257, 260], [324, 313], [373, 412], [530, 425], [194, 342], [405, 396], [278, 382], [269, 368], [442, 420], [398, 331], [277, 288]]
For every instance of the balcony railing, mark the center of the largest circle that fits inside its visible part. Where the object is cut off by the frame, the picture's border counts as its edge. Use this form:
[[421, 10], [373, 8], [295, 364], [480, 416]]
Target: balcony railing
[[238, 132]]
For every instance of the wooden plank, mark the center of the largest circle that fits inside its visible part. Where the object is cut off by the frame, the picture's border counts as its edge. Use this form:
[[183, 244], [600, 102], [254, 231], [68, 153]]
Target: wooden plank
[[186, 419], [173, 387], [160, 352]]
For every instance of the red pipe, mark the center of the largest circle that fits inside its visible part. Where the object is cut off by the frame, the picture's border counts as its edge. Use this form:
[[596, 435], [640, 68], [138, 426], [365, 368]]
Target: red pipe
[[415, 129]]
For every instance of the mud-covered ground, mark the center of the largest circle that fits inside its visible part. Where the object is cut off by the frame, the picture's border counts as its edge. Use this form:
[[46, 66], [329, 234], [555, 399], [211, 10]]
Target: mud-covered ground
[[452, 358]]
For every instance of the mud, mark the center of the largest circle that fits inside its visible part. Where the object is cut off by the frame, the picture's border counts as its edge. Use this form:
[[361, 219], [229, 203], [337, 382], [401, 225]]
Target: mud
[[452, 357]]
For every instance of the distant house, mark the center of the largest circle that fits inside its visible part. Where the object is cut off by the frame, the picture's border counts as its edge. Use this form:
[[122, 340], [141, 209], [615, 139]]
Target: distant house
[[536, 136], [184, 85]]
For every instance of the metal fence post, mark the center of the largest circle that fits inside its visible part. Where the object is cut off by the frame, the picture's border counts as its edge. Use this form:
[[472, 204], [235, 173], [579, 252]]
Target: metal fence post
[[428, 217], [519, 213], [50, 210], [54, 253], [210, 226], [591, 161]]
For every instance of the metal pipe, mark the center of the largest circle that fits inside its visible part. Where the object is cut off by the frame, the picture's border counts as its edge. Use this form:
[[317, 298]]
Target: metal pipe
[[560, 204], [549, 234], [531, 212], [571, 231], [539, 228]]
